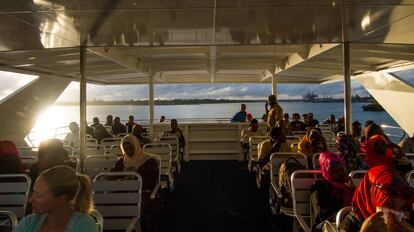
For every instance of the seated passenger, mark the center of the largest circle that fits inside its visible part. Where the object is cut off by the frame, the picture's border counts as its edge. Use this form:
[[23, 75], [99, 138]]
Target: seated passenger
[[383, 221], [130, 124], [117, 127], [286, 124], [348, 149], [407, 145], [252, 130], [249, 117], [162, 119], [331, 120], [312, 122], [375, 129], [95, 123], [296, 124], [61, 201], [72, 137], [241, 115], [357, 131], [276, 143], [50, 154], [332, 193], [137, 131], [381, 187], [366, 125], [10, 162], [101, 133], [134, 159], [340, 125], [313, 142], [305, 119], [109, 120], [175, 131]]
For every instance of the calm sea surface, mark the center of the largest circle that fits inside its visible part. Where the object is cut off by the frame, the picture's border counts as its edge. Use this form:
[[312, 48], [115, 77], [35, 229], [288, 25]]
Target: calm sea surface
[[57, 116]]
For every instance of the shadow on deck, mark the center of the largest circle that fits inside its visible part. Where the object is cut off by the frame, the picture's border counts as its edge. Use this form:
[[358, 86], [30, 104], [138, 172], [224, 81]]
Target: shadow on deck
[[218, 196]]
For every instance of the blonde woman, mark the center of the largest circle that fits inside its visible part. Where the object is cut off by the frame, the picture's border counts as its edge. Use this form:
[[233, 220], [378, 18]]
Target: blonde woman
[[61, 201]]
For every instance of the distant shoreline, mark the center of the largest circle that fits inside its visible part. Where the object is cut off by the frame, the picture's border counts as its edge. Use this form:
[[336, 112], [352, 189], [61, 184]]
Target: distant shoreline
[[191, 102]]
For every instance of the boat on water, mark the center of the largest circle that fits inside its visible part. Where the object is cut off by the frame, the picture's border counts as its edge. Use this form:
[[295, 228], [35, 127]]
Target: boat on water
[[181, 42], [373, 107]]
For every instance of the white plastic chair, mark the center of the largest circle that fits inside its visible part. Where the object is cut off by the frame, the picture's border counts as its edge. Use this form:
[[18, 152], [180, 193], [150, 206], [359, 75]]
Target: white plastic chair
[[410, 178], [164, 151], [115, 150], [357, 176], [7, 219], [107, 143], [95, 164], [276, 159], [14, 192], [302, 182], [117, 196], [27, 151], [74, 163], [173, 141], [410, 156], [28, 161], [253, 151], [332, 147], [341, 215], [97, 217], [315, 161], [154, 192], [329, 136]]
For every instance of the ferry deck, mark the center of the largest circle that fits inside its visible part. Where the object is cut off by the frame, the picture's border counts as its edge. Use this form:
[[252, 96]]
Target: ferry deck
[[217, 41]]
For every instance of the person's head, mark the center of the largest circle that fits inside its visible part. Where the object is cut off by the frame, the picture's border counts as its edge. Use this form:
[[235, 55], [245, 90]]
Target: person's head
[[131, 118], [254, 124], [310, 115], [373, 129], [117, 120], [109, 118], [51, 153], [243, 107], [332, 118], [346, 144], [60, 187], [341, 121], [278, 134], [286, 116], [264, 117], [95, 120], [368, 122], [305, 118], [332, 167], [382, 187], [272, 100], [101, 130], [130, 146], [137, 130], [315, 136], [377, 152], [356, 128], [249, 117], [174, 124], [295, 117], [9, 158], [162, 119], [73, 127]]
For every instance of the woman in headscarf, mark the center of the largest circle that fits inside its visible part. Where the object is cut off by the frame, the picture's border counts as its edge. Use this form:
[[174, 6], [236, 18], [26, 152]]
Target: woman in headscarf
[[381, 187], [331, 193], [9, 158], [348, 148], [134, 159], [313, 142], [377, 152]]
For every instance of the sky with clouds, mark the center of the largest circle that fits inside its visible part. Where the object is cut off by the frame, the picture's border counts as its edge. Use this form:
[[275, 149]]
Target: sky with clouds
[[11, 82]]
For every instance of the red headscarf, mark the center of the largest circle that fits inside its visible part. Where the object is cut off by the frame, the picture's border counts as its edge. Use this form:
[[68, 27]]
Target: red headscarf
[[373, 157], [8, 148], [368, 196], [325, 161]]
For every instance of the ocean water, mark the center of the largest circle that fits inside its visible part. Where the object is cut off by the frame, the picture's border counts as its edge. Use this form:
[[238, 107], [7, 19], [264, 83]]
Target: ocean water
[[60, 116]]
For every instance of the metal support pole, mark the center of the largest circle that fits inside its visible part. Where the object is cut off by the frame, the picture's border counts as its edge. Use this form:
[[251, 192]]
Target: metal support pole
[[82, 103], [151, 101], [274, 85], [347, 88]]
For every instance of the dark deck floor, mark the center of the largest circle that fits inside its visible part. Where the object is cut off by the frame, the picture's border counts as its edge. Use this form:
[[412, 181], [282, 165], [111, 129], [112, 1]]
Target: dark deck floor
[[218, 196]]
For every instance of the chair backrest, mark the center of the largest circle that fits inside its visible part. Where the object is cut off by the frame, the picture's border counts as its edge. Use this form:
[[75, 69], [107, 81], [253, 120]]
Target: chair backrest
[[253, 142], [74, 163], [300, 134], [97, 217], [28, 161], [410, 178], [302, 181], [120, 135], [357, 176], [96, 164], [332, 147], [117, 196], [341, 215], [8, 221], [329, 136], [324, 127], [277, 158], [173, 141], [107, 143], [164, 152], [291, 139], [315, 161], [410, 156], [27, 151], [115, 150], [14, 192], [91, 143]]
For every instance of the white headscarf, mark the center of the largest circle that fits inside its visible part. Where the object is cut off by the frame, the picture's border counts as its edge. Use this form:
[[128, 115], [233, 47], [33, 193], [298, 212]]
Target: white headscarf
[[139, 157]]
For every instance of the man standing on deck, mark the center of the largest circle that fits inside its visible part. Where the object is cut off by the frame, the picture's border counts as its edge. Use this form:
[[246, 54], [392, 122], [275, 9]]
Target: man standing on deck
[[240, 116], [274, 114]]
